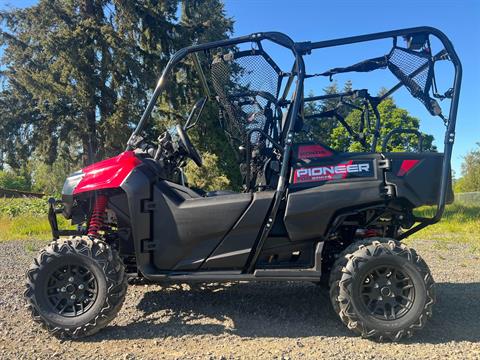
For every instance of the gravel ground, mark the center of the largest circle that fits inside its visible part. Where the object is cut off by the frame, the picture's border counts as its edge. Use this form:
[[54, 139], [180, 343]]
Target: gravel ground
[[245, 320]]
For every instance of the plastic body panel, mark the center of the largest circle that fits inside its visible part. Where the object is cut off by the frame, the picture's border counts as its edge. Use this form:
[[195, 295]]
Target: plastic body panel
[[137, 187], [317, 164], [311, 204], [417, 177], [107, 174], [310, 211], [187, 227], [311, 150], [279, 252], [234, 250]]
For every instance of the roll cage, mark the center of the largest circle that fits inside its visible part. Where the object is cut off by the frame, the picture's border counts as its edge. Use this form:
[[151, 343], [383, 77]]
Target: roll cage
[[279, 133]]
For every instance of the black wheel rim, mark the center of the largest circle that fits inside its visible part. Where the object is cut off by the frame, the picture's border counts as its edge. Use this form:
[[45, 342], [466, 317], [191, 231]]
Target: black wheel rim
[[71, 290], [387, 292]]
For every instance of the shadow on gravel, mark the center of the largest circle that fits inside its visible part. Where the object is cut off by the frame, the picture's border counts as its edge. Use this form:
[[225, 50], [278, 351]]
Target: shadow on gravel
[[280, 310], [456, 316]]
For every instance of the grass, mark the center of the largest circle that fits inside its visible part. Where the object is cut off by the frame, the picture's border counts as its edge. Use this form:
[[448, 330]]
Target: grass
[[460, 224], [28, 227], [26, 219]]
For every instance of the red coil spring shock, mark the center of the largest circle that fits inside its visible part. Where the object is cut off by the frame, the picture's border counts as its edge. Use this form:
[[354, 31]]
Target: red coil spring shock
[[98, 215], [372, 233]]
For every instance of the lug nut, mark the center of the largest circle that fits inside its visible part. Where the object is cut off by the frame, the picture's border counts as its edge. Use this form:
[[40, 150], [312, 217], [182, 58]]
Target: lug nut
[[73, 297], [63, 289], [70, 279], [81, 286]]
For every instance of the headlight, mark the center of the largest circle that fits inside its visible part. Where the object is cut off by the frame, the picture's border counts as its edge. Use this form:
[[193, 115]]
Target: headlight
[[72, 182]]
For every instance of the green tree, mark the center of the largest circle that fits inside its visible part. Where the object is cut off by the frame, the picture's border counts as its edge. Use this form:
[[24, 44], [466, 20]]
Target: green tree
[[321, 129], [392, 117], [470, 180], [330, 131], [209, 177], [77, 74], [49, 179]]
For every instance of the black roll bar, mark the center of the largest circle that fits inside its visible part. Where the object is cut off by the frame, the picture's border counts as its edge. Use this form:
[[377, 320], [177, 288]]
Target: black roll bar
[[307, 47], [276, 37], [298, 73]]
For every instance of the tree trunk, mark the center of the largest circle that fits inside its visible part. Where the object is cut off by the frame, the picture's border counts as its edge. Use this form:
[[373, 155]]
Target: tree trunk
[[90, 146]]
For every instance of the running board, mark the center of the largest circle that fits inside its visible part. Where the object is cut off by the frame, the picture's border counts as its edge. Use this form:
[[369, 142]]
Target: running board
[[311, 274], [297, 274], [277, 275]]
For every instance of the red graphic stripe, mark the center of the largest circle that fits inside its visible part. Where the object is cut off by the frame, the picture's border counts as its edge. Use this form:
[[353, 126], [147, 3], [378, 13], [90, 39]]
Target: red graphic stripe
[[313, 151], [406, 166]]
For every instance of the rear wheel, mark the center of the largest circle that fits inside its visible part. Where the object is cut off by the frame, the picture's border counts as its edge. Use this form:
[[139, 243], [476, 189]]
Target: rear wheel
[[75, 287], [381, 289]]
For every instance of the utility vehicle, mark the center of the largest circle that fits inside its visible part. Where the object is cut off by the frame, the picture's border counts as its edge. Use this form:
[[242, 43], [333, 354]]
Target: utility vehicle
[[307, 211]]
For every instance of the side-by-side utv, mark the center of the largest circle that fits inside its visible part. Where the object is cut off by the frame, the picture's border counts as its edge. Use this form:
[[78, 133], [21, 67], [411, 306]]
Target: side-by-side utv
[[307, 212]]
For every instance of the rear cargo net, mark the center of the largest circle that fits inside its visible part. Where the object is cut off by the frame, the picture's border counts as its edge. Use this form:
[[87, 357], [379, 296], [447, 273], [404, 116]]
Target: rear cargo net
[[414, 69]]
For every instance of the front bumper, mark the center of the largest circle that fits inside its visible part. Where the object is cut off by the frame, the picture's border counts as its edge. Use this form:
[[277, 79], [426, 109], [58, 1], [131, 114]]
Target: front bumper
[[56, 207]]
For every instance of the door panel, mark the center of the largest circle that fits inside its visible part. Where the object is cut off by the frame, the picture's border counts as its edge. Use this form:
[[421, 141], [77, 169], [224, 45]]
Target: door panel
[[233, 251], [187, 227]]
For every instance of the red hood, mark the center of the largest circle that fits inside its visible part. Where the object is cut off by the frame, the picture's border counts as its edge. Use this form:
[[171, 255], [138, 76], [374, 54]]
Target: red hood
[[107, 174]]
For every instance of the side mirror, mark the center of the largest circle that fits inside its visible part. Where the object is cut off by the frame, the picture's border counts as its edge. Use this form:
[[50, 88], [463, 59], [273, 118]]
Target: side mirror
[[196, 110]]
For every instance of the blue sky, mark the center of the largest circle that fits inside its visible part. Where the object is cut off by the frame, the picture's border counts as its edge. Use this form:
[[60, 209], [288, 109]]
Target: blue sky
[[318, 20]]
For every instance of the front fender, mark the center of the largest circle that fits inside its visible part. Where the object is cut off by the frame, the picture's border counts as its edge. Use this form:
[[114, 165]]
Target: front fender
[[107, 174]]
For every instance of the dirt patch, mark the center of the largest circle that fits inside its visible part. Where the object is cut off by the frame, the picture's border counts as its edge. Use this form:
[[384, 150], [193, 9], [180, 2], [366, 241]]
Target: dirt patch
[[245, 320]]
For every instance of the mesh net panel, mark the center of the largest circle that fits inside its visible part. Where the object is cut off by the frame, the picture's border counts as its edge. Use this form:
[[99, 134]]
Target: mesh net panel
[[413, 68], [246, 85], [404, 63]]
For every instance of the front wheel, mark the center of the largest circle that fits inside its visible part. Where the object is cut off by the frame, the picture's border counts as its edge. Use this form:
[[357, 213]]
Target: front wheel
[[75, 287], [381, 289]]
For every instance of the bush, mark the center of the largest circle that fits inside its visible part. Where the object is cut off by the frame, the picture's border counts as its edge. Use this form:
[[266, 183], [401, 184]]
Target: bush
[[33, 207], [49, 179], [10, 180]]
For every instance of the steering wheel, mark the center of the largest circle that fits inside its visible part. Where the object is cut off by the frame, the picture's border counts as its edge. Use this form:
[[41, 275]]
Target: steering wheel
[[190, 150]]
